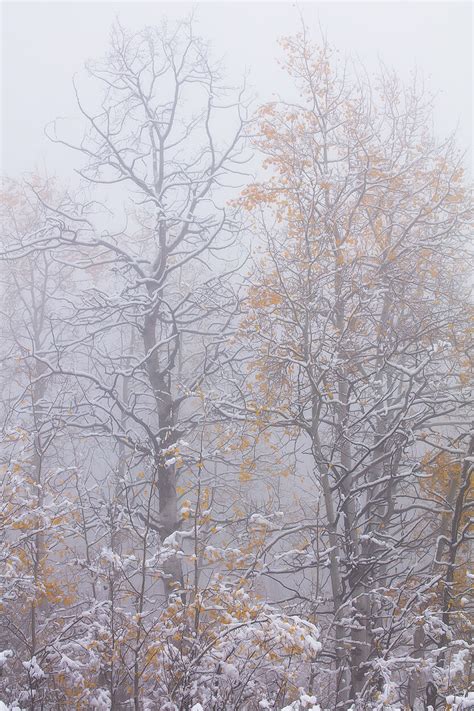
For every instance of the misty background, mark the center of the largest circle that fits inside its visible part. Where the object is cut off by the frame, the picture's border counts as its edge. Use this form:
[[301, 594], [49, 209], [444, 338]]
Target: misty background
[[45, 43], [236, 357]]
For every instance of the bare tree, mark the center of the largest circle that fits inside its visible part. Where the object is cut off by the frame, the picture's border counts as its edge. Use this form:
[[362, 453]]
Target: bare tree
[[160, 283], [236, 463]]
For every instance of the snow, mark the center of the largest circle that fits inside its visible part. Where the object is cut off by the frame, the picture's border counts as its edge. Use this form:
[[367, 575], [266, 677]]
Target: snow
[[230, 671], [459, 662], [304, 703], [101, 702], [460, 703], [258, 520], [4, 656], [34, 670], [107, 555]]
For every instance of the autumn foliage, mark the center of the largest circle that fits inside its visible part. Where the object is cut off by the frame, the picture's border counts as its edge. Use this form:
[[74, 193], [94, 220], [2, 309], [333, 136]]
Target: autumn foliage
[[238, 483]]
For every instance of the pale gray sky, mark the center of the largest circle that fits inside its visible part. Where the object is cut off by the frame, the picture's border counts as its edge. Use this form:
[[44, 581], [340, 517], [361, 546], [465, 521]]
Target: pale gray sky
[[45, 43]]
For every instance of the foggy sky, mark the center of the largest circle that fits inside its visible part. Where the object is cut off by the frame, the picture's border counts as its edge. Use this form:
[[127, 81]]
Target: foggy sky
[[45, 43]]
